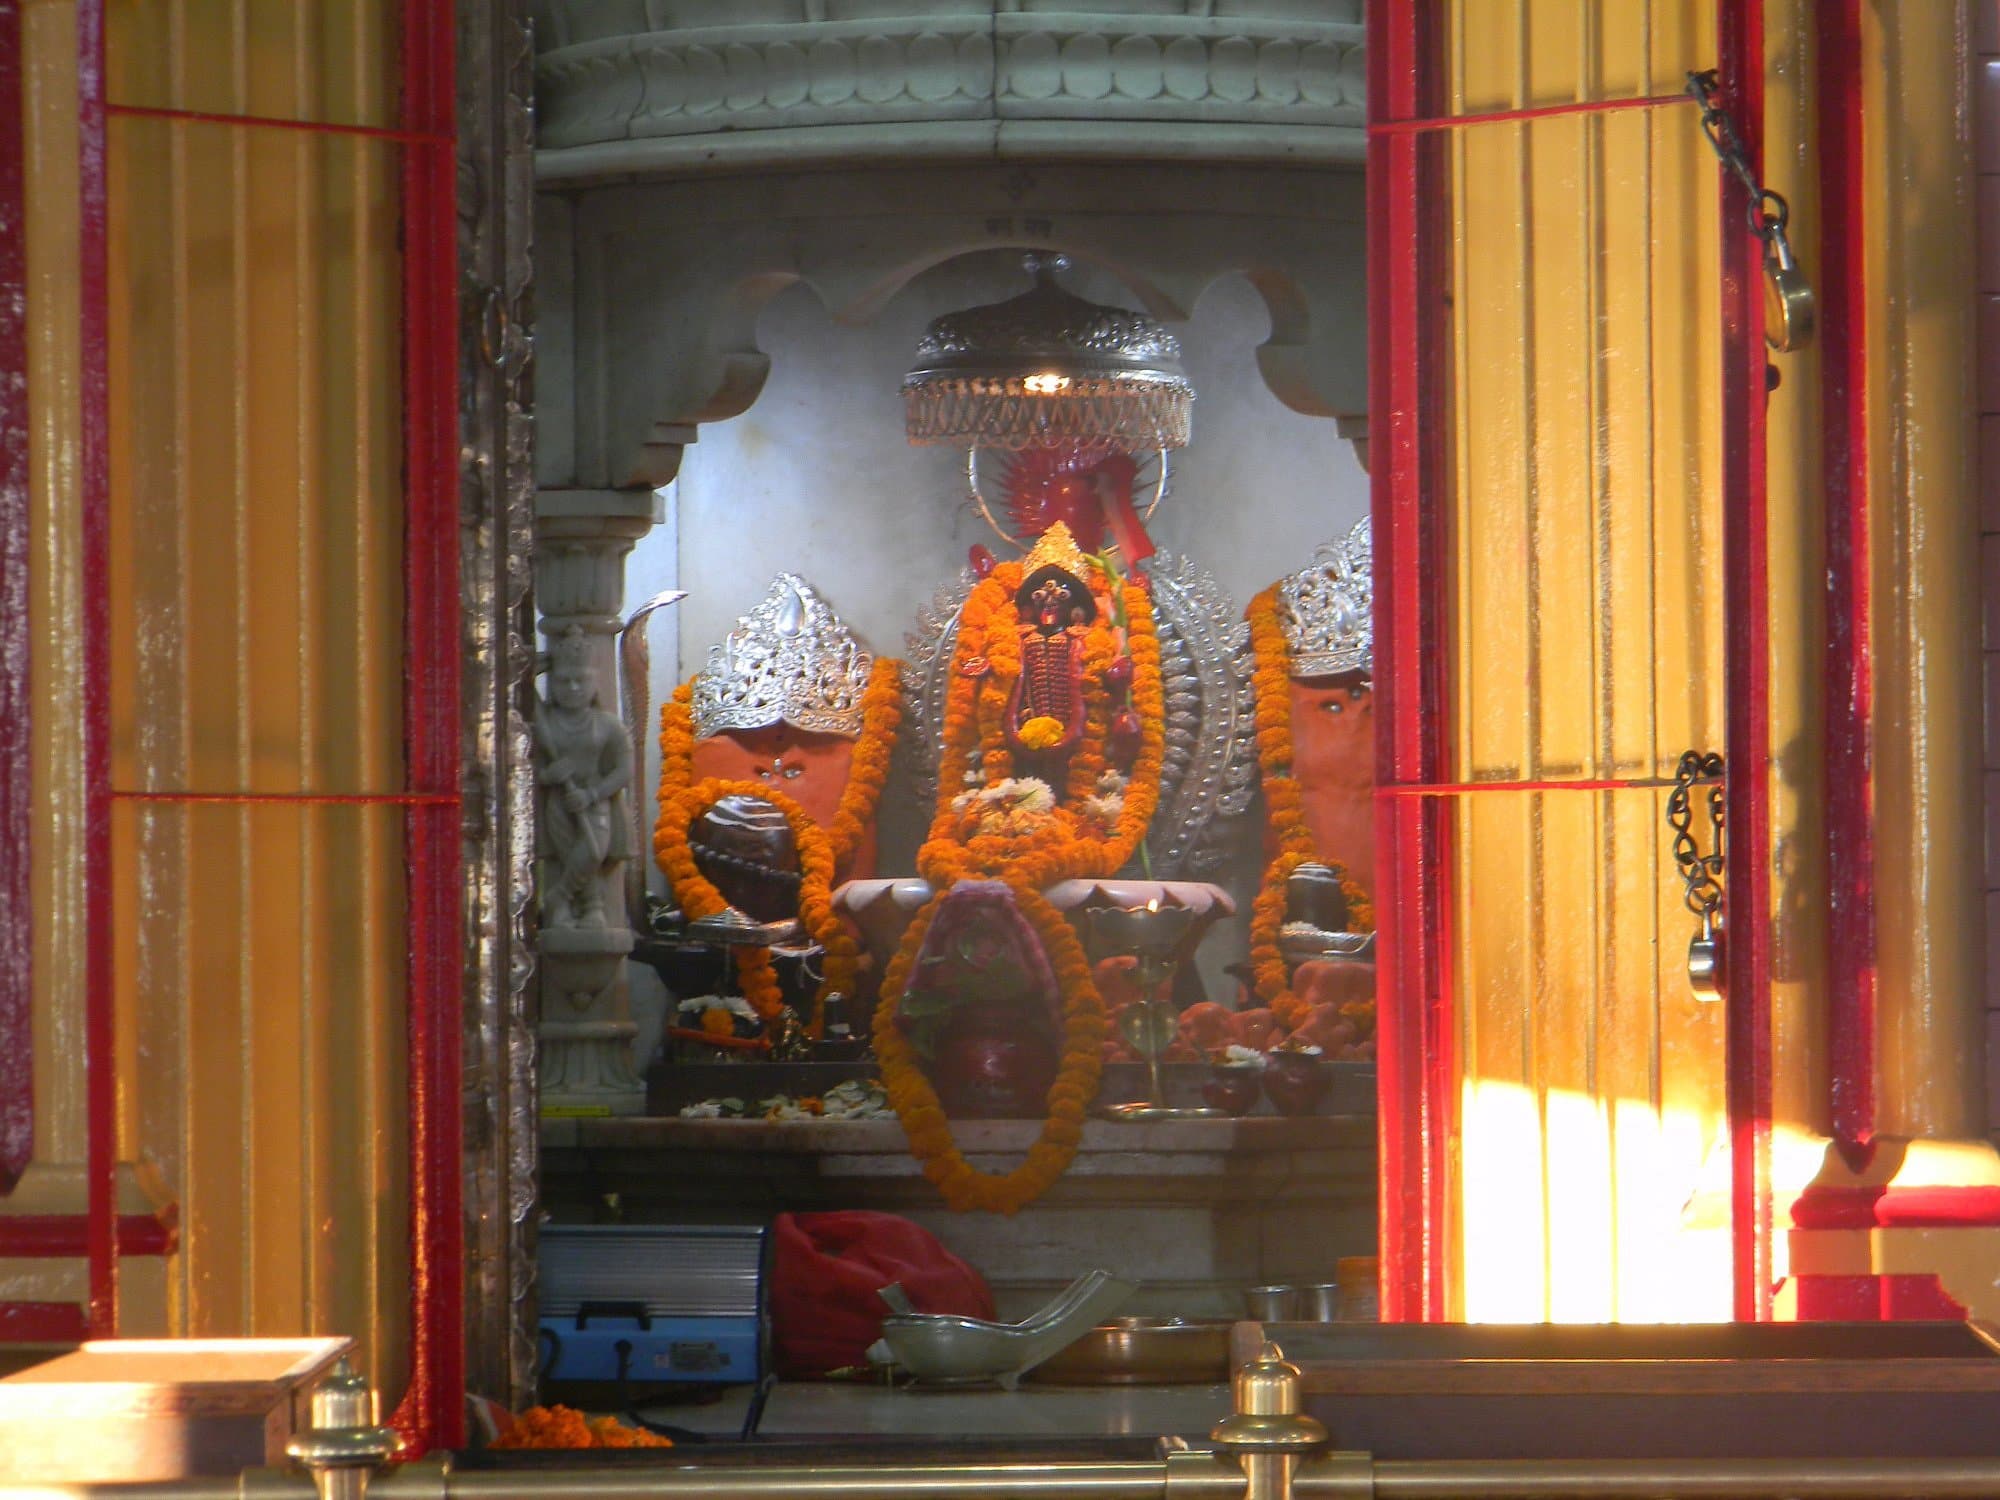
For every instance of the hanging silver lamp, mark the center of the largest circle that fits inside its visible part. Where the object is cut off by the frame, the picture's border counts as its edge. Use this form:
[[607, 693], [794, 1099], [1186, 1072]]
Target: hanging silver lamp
[[1048, 369]]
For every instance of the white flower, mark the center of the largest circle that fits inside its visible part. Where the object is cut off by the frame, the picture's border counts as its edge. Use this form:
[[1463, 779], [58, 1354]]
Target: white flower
[[857, 1099], [736, 1005], [1110, 783], [711, 1109], [1105, 809], [1025, 794], [1236, 1055]]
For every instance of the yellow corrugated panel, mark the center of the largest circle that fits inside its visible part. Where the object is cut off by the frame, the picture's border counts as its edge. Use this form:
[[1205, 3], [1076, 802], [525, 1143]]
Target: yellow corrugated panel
[[1588, 641], [257, 593]]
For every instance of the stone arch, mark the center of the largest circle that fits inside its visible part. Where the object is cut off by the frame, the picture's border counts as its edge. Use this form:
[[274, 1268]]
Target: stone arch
[[671, 278]]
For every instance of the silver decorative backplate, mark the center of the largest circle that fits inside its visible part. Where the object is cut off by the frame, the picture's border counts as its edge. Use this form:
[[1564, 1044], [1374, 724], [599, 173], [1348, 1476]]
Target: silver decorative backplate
[[1210, 773], [1328, 609], [1210, 770], [927, 653], [790, 660]]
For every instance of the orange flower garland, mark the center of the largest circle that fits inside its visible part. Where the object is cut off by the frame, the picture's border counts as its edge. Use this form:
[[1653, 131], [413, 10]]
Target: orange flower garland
[[1058, 848], [881, 717], [974, 721], [916, 1102], [566, 1427], [699, 898], [1285, 804]]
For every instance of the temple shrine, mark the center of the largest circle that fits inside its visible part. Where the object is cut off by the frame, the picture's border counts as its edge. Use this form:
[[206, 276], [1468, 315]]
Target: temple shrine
[[1031, 748]]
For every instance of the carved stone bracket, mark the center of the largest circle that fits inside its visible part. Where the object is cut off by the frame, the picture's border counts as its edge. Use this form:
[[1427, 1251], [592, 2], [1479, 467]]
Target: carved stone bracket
[[669, 278]]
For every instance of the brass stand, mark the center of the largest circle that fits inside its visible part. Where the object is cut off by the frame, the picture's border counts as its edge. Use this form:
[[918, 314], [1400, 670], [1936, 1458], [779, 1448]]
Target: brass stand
[[1153, 935]]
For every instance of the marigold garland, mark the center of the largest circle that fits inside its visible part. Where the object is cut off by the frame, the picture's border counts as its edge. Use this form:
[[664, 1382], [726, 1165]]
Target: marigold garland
[[974, 723], [881, 717], [699, 898], [916, 1102], [984, 668], [565, 1427], [1285, 804]]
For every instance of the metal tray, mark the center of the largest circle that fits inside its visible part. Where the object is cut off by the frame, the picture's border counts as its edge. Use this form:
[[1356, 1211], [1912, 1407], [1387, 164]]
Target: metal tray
[[1143, 1351]]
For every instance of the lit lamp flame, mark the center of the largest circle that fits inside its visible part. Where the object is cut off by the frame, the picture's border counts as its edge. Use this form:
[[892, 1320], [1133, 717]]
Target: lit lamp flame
[[1047, 384]]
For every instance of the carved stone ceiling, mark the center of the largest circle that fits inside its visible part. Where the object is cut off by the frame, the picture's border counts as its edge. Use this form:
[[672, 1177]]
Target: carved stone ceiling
[[628, 87]]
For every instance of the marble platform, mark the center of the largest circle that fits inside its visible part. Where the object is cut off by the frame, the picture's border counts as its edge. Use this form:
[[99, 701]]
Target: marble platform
[[1196, 1210]]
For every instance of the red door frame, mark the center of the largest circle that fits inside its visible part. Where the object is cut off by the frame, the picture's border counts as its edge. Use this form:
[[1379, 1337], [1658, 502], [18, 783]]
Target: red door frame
[[1850, 685], [17, 1074], [1408, 362], [432, 1411], [1407, 369]]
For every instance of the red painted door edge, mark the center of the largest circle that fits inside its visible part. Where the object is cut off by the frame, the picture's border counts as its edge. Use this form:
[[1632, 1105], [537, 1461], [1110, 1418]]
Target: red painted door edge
[[100, 1061], [1849, 684], [1405, 292], [1747, 674], [17, 1074], [67, 1236], [43, 1323], [432, 1413]]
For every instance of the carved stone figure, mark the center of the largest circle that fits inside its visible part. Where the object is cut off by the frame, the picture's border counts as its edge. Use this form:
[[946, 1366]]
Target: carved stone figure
[[583, 764]]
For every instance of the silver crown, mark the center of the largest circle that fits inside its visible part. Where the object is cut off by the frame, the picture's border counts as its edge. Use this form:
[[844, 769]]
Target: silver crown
[[1328, 609], [790, 660]]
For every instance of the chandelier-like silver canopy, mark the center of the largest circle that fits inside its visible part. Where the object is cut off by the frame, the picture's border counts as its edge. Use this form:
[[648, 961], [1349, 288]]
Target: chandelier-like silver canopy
[[1048, 369]]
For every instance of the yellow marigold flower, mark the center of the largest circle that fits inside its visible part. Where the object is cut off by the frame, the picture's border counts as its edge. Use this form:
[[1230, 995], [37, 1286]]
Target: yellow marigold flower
[[1042, 733]]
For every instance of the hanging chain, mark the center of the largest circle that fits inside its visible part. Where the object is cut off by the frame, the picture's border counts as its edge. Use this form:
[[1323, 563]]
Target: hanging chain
[[1767, 224], [1701, 872], [1789, 306]]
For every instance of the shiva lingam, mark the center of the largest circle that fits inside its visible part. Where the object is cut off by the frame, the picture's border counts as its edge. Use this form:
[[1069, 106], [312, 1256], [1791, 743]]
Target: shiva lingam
[[730, 929], [1317, 919], [1155, 935]]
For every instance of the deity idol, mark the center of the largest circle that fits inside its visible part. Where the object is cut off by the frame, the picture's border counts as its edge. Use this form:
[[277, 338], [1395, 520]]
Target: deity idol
[[1053, 743], [1312, 636], [772, 759]]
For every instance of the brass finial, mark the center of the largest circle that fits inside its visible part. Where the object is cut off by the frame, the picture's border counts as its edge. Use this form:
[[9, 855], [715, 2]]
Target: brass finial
[[344, 1444], [1267, 1417]]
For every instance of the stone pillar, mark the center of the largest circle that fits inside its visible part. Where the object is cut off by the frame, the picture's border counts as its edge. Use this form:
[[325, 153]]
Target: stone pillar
[[582, 538]]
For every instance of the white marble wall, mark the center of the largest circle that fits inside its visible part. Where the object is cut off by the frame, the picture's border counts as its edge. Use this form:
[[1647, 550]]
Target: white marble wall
[[816, 475]]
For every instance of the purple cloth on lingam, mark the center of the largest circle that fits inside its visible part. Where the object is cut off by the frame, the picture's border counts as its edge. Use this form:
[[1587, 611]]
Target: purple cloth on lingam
[[984, 915]]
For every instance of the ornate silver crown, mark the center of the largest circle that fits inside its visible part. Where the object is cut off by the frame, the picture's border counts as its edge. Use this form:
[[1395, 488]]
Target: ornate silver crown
[[790, 660], [1328, 609]]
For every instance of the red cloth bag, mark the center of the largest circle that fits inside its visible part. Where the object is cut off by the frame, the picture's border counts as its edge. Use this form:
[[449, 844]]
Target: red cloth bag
[[825, 1270]]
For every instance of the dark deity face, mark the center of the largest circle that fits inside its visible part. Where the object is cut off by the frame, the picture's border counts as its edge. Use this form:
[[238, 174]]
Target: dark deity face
[[1053, 599]]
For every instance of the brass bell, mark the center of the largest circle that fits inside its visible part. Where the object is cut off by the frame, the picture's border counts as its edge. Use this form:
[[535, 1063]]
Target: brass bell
[[1789, 310], [1705, 959]]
